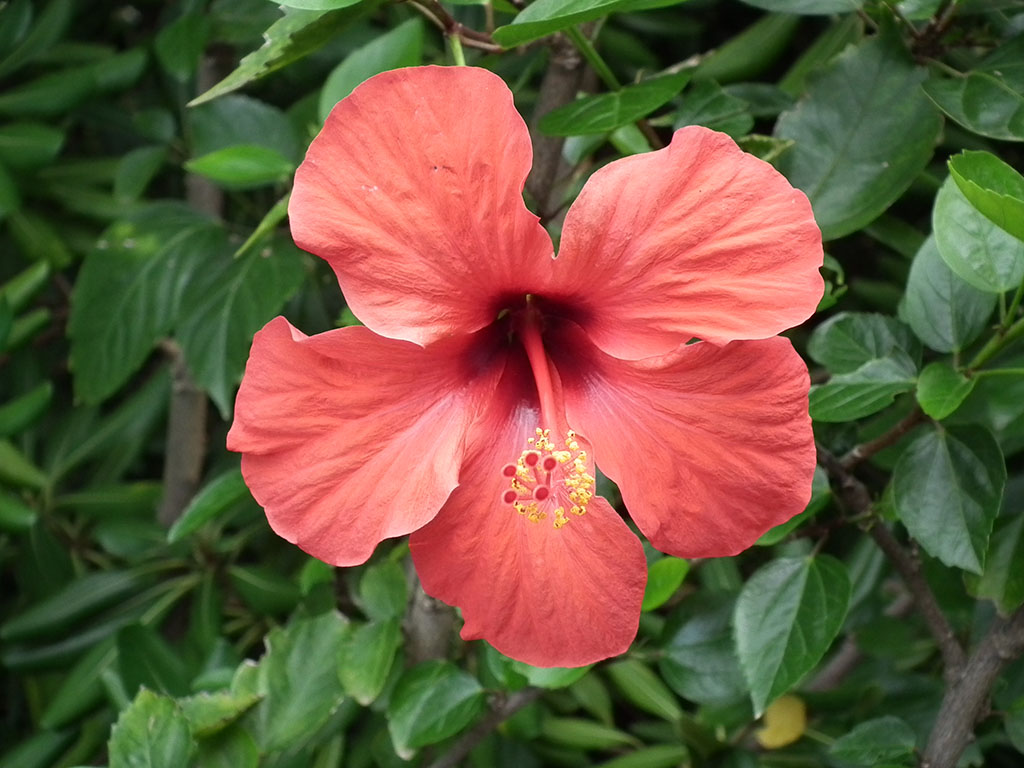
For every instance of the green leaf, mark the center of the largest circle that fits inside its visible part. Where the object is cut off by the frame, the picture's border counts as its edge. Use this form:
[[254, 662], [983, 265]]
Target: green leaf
[[136, 170], [243, 166], [947, 487], [209, 713], [786, 617], [383, 592], [237, 119], [945, 311], [663, 579], [979, 251], [50, 27], [707, 104], [847, 341], [79, 599], [145, 659], [821, 494], [550, 677], [644, 689], [700, 661], [981, 103], [15, 515], [19, 413], [399, 47], [867, 390], [297, 683], [941, 390], [129, 291], [289, 39], [432, 701], [215, 498], [844, 31], [659, 756], [1002, 580], [608, 111], [547, 16], [808, 7], [993, 187], [151, 733], [80, 688], [317, 5], [366, 657], [223, 306], [578, 733], [264, 590], [27, 145], [180, 44], [10, 198], [748, 54], [882, 740], [863, 133]]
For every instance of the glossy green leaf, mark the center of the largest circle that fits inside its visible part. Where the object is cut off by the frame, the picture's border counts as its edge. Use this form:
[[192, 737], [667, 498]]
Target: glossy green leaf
[[215, 498], [578, 733], [862, 134], [243, 166], [223, 306], [129, 291], [882, 740], [550, 677], [432, 701], [809, 7], [700, 661], [383, 592], [786, 617], [399, 47], [236, 119], [947, 487], [17, 470], [49, 27], [867, 390], [209, 713], [18, 291], [608, 111], [945, 311], [1002, 579], [80, 689], [366, 657], [288, 39], [978, 250], [544, 17], [79, 599], [27, 145], [941, 390], [180, 45], [151, 733], [19, 413], [15, 516], [845, 31], [39, 750], [298, 683], [991, 186], [136, 170], [982, 103], [707, 104], [663, 579], [264, 590], [317, 5], [751, 52], [847, 341], [642, 688], [145, 659], [659, 756]]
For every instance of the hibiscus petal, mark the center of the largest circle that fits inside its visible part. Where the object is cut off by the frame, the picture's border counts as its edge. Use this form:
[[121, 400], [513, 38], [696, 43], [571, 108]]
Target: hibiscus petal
[[349, 438], [547, 596], [413, 193], [698, 240], [711, 446]]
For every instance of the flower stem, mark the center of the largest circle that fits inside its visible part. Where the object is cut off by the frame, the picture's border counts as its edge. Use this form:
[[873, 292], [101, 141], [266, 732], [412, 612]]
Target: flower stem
[[456, 45], [599, 65]]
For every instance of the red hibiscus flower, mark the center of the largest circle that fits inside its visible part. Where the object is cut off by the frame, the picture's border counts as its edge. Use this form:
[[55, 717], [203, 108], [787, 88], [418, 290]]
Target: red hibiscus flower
[[490, 375]]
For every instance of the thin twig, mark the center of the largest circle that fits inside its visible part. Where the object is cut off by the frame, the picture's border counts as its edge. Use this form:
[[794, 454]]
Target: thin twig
[[504, 706], [855, 496], [909, 568], [866, 450], [439, 16], [967, 699]]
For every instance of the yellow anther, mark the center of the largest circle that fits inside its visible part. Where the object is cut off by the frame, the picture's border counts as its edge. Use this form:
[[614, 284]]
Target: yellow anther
[[547, 480]]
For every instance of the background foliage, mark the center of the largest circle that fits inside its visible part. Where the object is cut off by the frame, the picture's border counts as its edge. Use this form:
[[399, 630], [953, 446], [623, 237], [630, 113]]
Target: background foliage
[[149, 616]]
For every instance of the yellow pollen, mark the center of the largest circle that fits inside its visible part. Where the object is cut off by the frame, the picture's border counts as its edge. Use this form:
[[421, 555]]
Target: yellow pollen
[[544, 476]]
